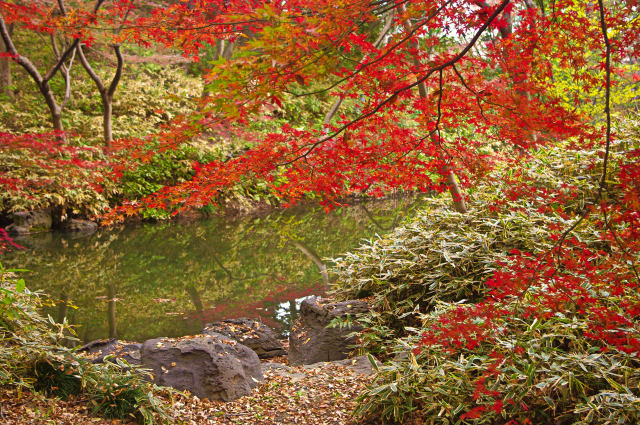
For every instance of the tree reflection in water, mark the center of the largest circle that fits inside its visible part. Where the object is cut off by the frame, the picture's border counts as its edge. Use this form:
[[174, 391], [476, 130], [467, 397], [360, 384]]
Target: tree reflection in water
[[168, 279]]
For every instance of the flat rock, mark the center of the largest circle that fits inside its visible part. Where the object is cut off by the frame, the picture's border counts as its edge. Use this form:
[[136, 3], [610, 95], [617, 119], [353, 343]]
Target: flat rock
[[209, 366], [360, 364], [255, 335], [283, 371], [311, 341], [78, 225], [97, 350]]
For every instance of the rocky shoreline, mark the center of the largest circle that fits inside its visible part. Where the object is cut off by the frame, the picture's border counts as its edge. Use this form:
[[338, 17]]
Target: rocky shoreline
[[318, 394], [228, 359]]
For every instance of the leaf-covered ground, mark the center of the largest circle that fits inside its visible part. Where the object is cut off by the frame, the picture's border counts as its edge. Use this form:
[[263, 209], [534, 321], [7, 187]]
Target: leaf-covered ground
[[322, 394]]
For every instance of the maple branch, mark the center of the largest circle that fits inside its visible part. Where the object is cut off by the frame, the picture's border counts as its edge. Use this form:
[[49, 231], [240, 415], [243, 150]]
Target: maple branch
[[66, 70], [61, 61], [54, 44], [94, 76], [63, 10], [71, 47], [118, 74], [602, 183], [394, 95], [607, 95], [477, 95], [379, 58]]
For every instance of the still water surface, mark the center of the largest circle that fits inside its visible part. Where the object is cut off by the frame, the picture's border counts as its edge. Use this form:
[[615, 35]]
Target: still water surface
[[168, 279]]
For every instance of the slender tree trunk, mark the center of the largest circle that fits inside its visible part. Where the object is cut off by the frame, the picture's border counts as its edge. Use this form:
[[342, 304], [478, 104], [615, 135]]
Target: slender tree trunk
[[5, 69], [219, 49], [106, 93], [229, 48], [56, 118], [195, 298], [454, 190], [107, 113]]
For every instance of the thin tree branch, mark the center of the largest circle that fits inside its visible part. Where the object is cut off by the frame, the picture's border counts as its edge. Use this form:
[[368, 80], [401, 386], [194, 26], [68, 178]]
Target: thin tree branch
[[381, 57], [66, 73], [61, 61], [336, 105], [118, 74], [602, 187], [87, 66], [394, 95]]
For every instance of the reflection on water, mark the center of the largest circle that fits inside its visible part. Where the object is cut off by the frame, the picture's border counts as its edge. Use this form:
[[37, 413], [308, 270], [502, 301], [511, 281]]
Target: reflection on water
[[168, 279]]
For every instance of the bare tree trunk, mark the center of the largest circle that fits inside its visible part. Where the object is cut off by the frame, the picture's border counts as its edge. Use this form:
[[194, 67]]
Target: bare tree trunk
[[106, 93], [42, 81], [107, 114], [5, 69]]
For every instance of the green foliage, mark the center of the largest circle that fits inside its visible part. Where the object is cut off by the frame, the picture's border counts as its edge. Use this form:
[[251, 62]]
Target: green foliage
[[148, 95], [164, 169], [556, 377], [547, 371], [32, 356], [61, 177]]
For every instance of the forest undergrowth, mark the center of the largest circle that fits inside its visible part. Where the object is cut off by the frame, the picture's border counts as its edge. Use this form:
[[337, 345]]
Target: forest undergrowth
[[522, 310]]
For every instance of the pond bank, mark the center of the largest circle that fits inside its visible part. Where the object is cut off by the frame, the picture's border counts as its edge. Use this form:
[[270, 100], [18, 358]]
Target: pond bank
[[308, 395], [150, 280]]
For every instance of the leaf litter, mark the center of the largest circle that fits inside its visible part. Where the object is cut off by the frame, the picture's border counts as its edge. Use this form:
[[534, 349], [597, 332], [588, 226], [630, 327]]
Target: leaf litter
[[320, 394]]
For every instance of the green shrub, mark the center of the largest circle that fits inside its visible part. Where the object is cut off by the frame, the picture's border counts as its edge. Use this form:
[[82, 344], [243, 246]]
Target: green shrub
[[32, 356], [531, 370], [556, 377], [41, 171], [164, 169], [56, 378]]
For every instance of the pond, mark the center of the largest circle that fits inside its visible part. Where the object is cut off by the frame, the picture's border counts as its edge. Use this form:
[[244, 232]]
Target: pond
[[168, 279]]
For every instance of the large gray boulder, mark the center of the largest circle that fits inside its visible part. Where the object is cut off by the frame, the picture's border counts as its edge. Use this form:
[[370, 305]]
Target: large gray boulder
[[310, 341], [26, 222], [209, 366], [255, 335]]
